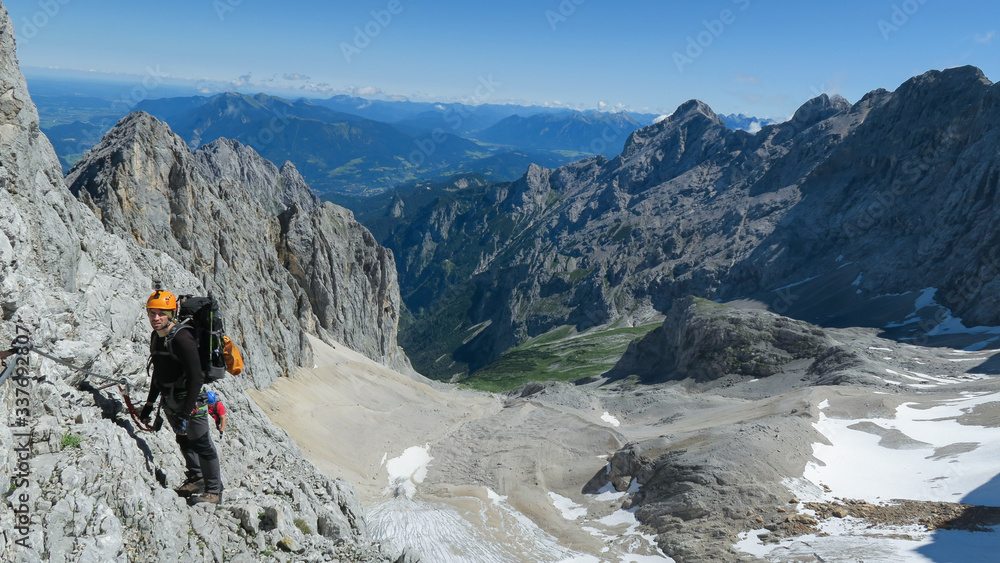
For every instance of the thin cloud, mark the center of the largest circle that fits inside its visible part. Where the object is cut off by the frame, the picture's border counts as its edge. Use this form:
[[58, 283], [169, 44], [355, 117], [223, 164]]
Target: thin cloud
[[747, 78], [985, 39], [294, 76], [365, 91]]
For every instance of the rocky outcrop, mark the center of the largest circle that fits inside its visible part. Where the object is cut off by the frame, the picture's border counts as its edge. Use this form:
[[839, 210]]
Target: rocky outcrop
[[349, 278], [255, 235], [82, 483], [705, 341]]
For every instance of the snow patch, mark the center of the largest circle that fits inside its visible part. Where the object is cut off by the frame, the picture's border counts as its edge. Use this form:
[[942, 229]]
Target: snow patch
[[493, 496], [856, 464], [569, 509], [794, 284], [610, 419], [408, 470]]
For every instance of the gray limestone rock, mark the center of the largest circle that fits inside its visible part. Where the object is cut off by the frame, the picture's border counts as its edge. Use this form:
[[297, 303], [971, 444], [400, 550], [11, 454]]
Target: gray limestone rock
[[83, 483], [898, 188]]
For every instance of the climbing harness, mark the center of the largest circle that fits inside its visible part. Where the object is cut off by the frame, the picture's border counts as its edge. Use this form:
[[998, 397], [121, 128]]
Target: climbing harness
[[21, 345]]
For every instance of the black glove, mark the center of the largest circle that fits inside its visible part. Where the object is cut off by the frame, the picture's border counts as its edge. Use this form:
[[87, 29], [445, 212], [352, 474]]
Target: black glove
[[145, 412], [181, 428]]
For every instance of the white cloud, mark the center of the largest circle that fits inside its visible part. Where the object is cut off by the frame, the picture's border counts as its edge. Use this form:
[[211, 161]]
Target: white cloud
[[294, 76], [985, 39], [241, 81], [365, 91]]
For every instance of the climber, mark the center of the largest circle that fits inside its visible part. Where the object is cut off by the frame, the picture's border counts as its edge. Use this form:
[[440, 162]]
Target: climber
[[178, 381], [218, 411]]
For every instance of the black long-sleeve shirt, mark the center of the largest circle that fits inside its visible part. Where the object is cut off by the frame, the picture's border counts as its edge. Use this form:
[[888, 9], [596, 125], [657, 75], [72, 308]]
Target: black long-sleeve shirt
[[168, 371]]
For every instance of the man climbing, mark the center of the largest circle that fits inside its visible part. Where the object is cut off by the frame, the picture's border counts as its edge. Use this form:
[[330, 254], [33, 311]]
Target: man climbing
[[218, 411], [177, 379]]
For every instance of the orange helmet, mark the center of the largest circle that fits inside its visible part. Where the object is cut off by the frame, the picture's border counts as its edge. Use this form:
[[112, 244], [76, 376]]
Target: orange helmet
[[161, 299]]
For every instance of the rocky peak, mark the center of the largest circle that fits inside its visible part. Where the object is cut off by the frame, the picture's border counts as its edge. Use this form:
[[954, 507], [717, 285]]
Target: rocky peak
[[818, 109], [217, 212], [691, 120]]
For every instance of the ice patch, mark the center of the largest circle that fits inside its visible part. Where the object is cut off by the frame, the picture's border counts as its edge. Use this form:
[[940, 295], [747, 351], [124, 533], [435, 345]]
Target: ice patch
[[610, 419], [569, 509], [472, 530], [794, 284], [608, 492], [497, 499], [948, 325], [580, 559], [620, 517], [926, 299], [408, 470], [855, 464]]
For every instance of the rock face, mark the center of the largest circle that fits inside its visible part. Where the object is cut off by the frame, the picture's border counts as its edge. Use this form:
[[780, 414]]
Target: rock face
[[83, 484], [705, 341], [255, 235], [900, 185]]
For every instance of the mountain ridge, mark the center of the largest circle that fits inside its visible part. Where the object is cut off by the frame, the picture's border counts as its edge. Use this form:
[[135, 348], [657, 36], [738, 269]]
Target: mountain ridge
[[692, 207]]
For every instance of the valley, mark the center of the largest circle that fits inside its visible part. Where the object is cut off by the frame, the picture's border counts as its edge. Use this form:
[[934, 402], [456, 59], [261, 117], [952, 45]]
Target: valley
[[501, 332]]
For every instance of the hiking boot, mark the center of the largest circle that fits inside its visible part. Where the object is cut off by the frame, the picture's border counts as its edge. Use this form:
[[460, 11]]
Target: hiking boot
[[191, 486], [207, 498]]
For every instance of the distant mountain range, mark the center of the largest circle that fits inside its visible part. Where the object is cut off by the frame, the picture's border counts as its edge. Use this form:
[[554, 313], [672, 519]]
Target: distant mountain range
[[354, 145], [745, 122], [874, 214], [585, 133]]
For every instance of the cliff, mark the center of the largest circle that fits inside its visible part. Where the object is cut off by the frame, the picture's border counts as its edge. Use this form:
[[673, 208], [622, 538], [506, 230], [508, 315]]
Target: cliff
[[82, 482], [894, 194]]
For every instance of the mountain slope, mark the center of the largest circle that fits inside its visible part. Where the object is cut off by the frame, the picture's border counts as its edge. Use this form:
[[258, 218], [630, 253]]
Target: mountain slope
[[87, 484], [692, 207], [160, 202]]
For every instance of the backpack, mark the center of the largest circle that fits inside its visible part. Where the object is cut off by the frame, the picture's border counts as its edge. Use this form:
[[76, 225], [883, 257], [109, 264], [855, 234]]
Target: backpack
[[217, 352]]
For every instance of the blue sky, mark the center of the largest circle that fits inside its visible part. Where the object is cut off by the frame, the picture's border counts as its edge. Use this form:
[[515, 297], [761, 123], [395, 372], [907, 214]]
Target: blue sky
[[762, 58]]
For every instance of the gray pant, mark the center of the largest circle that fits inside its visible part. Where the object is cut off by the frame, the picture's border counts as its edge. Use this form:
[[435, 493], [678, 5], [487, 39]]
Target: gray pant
[[199, 452]]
